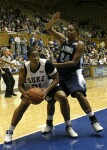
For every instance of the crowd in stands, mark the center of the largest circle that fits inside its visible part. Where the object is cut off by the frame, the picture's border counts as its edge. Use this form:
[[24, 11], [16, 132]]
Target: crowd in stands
[[94, 53], [12, 20], [18, 52], [88, 29]]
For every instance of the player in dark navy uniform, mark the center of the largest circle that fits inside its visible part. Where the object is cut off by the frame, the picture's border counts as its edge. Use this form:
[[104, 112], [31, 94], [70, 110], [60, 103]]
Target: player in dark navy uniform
[[39, 73], [70, 67]]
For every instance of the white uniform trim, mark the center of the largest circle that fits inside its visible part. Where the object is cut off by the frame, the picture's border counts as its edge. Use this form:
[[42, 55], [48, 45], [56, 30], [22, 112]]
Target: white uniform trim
[[54, 72]]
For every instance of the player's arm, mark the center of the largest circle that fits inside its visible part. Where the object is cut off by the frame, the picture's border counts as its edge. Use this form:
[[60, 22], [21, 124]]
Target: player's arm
[[22, 80], [60, 37], [76, 58], [52, 73], [4, 61], [55, 81]]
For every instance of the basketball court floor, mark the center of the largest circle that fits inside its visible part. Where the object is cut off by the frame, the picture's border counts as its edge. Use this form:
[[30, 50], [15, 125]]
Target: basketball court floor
[[27, 134]]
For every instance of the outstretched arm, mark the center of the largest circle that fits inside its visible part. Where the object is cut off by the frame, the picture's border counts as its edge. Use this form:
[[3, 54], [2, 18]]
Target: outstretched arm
[[6, 62], [60, 37]]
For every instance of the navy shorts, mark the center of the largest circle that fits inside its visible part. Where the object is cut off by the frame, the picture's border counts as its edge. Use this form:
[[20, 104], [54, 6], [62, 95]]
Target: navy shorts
[[50, 95], [75, 83]]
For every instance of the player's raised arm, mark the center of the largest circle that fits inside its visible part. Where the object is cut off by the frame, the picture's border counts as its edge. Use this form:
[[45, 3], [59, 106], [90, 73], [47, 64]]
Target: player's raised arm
[[60, 37]]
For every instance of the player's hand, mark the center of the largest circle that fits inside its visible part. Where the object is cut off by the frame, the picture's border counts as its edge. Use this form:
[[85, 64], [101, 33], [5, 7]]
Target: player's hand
[[45, 92], [27, 98], [26, 95], [56, 16]]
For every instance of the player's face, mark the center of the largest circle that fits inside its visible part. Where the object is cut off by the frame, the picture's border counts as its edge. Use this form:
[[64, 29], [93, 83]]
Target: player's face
[[70, 33], [34, 57]]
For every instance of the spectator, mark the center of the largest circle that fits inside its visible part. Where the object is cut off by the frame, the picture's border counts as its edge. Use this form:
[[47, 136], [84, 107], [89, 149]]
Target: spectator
[[7, 76], [17, 43], [12, 43], [23, 46]]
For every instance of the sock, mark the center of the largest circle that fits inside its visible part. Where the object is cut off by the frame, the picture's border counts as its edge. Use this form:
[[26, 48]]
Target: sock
[[49, 120], [92, 117], [68, 122], [90, 114], [11, 128]]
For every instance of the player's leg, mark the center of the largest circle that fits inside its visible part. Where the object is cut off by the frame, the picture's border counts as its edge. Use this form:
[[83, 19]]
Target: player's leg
[[12, 83], [77, 87], [60, 96], [87, 109], [49, 121], [17, 115], [7, 81]]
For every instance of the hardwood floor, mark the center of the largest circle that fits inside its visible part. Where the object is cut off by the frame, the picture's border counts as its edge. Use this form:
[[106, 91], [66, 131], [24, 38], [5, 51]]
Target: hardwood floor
[[35, 117]]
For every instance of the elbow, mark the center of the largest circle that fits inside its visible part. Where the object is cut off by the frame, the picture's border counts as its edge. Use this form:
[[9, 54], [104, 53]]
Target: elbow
[[74, 63]]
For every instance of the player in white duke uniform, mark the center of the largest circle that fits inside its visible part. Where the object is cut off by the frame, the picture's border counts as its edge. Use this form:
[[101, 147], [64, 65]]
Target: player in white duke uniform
[[39, 73], [41, 77]]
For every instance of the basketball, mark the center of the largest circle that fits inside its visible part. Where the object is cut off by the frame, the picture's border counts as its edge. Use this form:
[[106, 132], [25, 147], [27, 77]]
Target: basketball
[[36, 95]]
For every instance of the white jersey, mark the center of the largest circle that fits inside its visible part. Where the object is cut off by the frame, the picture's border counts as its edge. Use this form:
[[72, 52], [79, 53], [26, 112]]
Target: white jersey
[[41, 77]]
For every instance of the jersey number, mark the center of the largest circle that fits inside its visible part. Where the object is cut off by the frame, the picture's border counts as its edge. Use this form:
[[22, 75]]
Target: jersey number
[[36, 85], [64, 57]]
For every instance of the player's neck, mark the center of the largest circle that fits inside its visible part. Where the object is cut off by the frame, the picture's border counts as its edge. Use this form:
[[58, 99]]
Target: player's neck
[[33, 68], [72, 40]]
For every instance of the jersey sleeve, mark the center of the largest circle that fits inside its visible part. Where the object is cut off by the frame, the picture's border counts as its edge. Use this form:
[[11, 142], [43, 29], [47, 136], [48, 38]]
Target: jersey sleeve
[[50, 69]]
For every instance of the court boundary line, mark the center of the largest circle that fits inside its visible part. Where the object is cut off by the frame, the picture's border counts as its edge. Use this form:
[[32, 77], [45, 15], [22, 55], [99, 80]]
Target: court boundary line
[[54, 125]]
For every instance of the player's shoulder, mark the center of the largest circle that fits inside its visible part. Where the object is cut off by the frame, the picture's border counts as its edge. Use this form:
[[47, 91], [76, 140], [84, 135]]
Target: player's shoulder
[[22, 72], [80, 44], [43, 61], [27, 63]]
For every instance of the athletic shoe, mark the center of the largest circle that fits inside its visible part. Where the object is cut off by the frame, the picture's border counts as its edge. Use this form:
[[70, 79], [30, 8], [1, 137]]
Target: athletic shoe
[[8, 136], [14, 94], [71, 132], [48, 129], [97, 127]]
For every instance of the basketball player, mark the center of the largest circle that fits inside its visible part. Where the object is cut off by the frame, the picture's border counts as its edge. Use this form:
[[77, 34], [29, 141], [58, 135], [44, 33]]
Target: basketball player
[[39, 73], [70, 70]]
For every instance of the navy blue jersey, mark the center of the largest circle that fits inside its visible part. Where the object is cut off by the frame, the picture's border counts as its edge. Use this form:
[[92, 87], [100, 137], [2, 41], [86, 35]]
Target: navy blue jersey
[[66, 54]]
